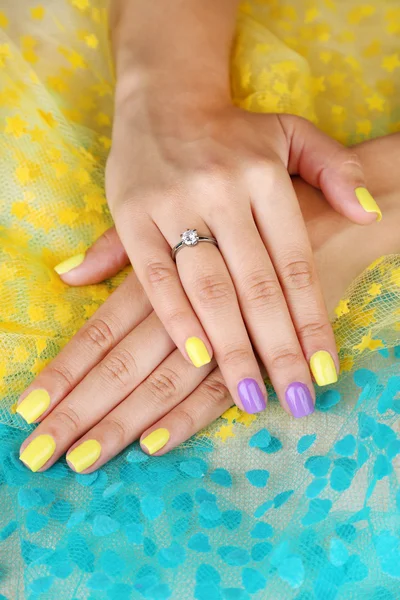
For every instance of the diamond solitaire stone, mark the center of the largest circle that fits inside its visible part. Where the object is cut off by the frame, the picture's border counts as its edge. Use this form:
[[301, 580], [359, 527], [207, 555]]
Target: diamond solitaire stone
[[190, 237]]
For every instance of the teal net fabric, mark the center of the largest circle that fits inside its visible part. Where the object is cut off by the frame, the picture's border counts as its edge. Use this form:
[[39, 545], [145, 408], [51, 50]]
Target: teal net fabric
[[267, 514]]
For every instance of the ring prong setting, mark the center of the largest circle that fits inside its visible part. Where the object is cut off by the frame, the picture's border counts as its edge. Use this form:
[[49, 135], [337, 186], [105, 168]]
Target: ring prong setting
[[190, 237]]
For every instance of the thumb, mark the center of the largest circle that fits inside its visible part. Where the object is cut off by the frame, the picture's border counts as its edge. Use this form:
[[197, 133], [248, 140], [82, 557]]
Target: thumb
[[104, 259], [334, 169]]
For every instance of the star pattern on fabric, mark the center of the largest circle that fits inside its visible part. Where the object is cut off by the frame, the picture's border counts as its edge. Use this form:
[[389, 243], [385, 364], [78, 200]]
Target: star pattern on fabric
[[246, 419], [225, 432], [342, 308], [375, 289], [368, 343]]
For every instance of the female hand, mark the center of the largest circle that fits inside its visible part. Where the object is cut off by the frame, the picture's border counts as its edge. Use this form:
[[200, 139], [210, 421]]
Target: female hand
[[115, 358], [184, 157]]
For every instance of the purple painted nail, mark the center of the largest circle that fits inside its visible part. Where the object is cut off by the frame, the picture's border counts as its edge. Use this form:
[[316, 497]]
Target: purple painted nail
[[299, 399], [251, 396]]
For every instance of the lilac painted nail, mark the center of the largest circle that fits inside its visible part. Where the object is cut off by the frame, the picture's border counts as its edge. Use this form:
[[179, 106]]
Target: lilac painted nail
[[299, 399], [251, 396]]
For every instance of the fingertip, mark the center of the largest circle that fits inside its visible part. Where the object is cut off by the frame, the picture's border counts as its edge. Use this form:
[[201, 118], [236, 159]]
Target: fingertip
[[368, 203]]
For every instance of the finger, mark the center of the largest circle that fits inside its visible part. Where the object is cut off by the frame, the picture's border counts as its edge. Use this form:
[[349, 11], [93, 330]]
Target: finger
[[120, 372], [266, 313], [151, 257], [104, 259], [208, 402], [163, 390], [293, 261], [326, 164], [210, 289], [122, 312]]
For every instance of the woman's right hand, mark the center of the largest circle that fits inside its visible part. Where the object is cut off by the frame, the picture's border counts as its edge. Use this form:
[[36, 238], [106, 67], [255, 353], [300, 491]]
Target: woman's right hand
[[121, 376]]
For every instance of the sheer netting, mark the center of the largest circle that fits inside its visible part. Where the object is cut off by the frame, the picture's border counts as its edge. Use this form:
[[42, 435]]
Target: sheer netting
[[267, 508]]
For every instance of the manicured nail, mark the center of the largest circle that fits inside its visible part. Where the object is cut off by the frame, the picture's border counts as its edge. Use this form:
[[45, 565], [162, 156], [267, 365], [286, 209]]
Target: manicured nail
[[38, 452], [251, 396], [197, 352], [155, 440], [69, 264], [323, 368], [367, 202], [34, 405], [85, 455], [299, 400]]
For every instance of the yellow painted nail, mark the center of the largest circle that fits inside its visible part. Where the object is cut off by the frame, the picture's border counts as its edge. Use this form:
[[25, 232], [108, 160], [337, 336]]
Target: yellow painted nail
[[38, 452], [197, 352], [85, 455], [156, 440], [368, 202], [323, 368], [34, 405], [69, 264]]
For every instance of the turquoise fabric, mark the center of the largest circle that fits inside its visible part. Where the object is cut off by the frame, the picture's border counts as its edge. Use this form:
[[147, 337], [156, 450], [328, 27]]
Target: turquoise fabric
[[264, 515]]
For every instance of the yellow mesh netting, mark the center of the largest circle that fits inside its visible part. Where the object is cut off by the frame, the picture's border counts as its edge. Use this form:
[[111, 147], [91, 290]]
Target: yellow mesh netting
[[325, 60]]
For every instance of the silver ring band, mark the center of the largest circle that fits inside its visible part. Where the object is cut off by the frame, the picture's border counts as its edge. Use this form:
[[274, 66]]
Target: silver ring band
[[190, 237]]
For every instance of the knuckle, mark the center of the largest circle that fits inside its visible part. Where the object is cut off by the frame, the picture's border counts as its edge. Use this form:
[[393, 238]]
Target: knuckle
[[212, 290], [352, 158], [215, 391], [187, 419], [162, 384], [99, 334], [117, 431], [235, 356], [118, 368], [298, 274], [67, 418], [63, 373], [284, 358], [176, 318], [262, 291], [314, 329], [158, 272]]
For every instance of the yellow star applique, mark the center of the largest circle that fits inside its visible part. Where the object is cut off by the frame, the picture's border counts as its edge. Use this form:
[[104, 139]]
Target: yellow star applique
[[231, 414], [246, 419], [81, 4], [390, 63], [37, 12], [346, 364], [367, 343], [364, 127], [4, 54], [225, 432], [15, 126], [342, 308], [376, 102], [375, 289], [37, 134], [48, 118]]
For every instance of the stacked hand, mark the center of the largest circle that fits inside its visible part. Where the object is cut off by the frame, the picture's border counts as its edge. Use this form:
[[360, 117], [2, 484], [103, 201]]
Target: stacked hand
[[124, 358]]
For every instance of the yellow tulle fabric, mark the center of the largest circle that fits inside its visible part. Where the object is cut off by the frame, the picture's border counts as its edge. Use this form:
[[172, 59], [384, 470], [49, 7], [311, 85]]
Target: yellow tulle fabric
[[335, 62]]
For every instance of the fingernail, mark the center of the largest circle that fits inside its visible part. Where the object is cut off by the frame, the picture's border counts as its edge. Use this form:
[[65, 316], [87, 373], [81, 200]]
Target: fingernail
[[155, 440], [251, 396], [368, 202], [197, 352], [299, 400], [85, 455], [38, 452], [323, 368], [34, 405], [69, 264]]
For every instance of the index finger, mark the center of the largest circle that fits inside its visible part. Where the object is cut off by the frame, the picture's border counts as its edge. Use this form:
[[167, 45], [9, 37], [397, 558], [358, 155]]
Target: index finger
[[124, 310]]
